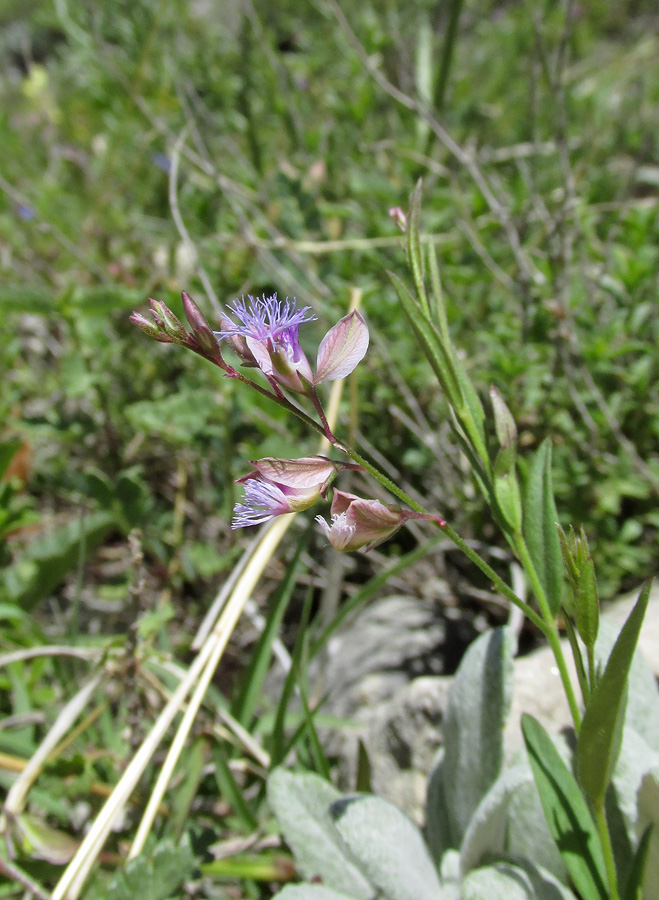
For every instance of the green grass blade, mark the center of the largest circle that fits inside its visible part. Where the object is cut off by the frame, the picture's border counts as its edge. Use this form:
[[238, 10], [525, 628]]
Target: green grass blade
[[254, 675], [278, 749], [229, 789]]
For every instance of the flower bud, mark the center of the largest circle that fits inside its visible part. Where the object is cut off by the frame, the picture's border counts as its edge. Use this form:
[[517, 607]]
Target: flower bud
[[200, 327], [363, 524]]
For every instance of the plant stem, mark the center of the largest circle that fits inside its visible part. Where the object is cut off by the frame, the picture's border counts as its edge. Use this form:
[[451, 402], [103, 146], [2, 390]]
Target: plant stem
[[551, 629], [578, 660], [607, 850], [471, 554], [11, 871], [282, 401]]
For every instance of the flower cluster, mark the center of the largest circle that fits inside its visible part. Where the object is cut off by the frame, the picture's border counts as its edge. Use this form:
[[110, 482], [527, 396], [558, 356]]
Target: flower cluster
[[264, 335], [279, 486]]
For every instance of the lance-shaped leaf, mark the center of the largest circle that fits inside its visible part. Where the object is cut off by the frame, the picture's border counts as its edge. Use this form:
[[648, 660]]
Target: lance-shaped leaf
[[540, 518], [414, 246], [568, 817], [442, 362], [342, 348], [601, 729], [504, 423], [587, 605]]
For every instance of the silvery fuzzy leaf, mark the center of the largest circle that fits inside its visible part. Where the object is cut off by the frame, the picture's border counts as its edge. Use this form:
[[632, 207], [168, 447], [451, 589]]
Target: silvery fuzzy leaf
[[438, 826], [301, 803], [387, 846], [505, 881], [648, 814], [479, 703], [309, 892]]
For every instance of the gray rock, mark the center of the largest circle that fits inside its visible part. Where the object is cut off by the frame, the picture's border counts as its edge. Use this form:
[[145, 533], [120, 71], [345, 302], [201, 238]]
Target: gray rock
[[369, 677]]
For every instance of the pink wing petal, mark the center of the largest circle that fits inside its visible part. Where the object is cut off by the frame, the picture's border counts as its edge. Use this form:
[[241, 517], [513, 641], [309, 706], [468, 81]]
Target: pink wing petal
[[260, 354], [307, 472], [342, 348]]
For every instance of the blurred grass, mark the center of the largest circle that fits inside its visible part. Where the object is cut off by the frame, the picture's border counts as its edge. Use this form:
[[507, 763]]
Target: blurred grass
[[292, 155]]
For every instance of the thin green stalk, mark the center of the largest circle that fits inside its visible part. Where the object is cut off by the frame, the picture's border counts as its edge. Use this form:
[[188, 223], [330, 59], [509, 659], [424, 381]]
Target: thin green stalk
[[607, 849], [471, 554], [592, 676], [578, 659], [550, 629]]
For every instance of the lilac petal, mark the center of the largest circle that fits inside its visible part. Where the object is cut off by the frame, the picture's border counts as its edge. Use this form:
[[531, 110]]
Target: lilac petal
[[342, 348], [262, 502], [306, 472]]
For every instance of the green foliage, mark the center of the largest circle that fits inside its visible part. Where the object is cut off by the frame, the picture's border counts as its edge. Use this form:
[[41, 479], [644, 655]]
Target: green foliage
[[292, 154], [154, 876], [569, 819], [540, 518], [601, 729]]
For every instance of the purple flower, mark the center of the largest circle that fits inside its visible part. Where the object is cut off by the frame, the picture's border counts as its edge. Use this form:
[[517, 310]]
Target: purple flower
[[266, 336], [279, 486], [263, 501], [357, 523]]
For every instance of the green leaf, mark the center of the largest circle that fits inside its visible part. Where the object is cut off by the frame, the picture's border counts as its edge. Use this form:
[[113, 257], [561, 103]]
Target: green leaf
[[478, 705], [42, 841], [642, 710], [540, 519], [363, 776], [438, 307], [47, 561], [255, 673], [228, 787], [568, 817], [8, 450], [155, 876], [387, 846], [301, 804], [438, 825], [648, 811], [440, 360], [600, 734], [587, 605], [414, 246], [506, 489], [634, 885]]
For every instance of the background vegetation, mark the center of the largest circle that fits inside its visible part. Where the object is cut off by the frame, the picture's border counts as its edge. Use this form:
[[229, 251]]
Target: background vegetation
[[231, 148]]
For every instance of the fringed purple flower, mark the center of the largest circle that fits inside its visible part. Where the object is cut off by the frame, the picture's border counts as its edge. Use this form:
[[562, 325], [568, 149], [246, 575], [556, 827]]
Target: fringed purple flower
[[279, 486], [265, 335]]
